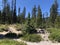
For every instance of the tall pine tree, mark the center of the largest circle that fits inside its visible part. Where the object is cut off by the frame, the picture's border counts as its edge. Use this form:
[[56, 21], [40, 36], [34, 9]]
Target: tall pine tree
[[14, 13], [53, 12], [0, 16], [29, 28], [18, 18], [4, 11], [39, 17], [24, 14], [8, 14], [34, 15]]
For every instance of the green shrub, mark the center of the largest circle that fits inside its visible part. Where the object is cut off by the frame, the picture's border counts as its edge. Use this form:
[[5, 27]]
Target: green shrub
[[54, 34], [32, 38], [29, 29], [51, 30], [11, 42], [3, 28], [18, 27]]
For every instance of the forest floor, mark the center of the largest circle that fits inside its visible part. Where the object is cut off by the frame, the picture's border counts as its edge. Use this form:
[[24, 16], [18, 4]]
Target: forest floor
[[46, 40]]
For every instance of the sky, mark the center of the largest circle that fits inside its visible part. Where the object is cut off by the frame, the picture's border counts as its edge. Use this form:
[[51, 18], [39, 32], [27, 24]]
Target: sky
[[45, 5]]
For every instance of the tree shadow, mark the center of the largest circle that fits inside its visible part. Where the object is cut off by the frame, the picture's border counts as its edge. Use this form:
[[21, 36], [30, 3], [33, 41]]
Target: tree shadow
[[1, 36], [10, 36]]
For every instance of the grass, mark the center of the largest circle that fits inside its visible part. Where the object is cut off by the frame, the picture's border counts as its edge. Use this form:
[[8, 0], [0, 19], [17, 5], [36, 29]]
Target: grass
[[11, 42], [54, 34], [27, 37], [32, 38], [3, 27], [51, 30]]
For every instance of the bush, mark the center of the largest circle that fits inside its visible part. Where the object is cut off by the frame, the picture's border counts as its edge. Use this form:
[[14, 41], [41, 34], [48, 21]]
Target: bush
[[29, 29], [51, 30], [11, 42], [54, 34], [18, 27], [32, 38], [3, 28]]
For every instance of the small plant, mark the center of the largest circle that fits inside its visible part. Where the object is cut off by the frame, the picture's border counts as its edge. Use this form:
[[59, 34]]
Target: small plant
[[29, 30], [3, 28], [51, 30], [32, 38], [54, 34], [11, 42]]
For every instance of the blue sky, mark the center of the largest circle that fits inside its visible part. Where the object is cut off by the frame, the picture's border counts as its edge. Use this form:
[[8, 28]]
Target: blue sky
[[29, 4]]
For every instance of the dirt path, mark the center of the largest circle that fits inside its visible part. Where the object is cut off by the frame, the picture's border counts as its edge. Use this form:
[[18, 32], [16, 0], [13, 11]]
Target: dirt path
[[44, 36], [45, 42], [39, 43]]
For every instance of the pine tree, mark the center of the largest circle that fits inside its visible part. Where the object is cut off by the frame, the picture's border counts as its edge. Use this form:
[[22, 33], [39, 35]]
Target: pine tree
[[0, 16], [43, 21], [34, 15], [4, 11], [28, 19], [19, 16], [39, 17], [23, 15], [53, 12], [29, 28], [12, 7], [8, 14], [4, 2], [14, 13]]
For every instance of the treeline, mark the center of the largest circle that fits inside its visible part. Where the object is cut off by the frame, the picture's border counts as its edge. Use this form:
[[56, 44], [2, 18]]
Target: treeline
[[8, 15]]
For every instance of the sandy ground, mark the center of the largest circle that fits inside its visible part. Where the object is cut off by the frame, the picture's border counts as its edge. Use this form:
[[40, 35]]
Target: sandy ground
[[12, 29], [3, 33], [45, 42], [44, 36], [39, 43]]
